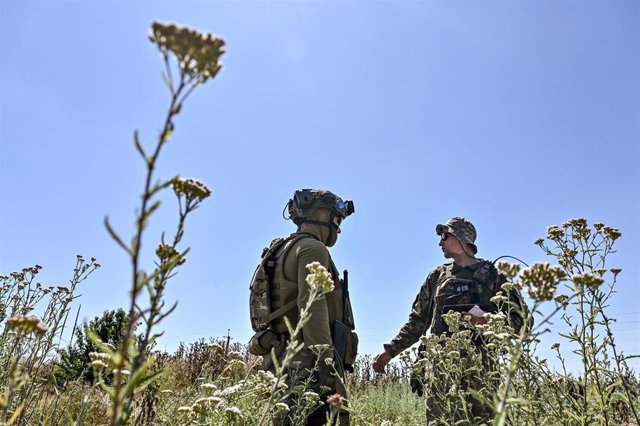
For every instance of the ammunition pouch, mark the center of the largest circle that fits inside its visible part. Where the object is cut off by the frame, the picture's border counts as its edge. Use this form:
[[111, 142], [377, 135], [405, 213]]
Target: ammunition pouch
[[345, 342], [352, 351]]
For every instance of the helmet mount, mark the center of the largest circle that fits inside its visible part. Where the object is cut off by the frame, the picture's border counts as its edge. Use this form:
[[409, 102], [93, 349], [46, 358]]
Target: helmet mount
[[306, 201]]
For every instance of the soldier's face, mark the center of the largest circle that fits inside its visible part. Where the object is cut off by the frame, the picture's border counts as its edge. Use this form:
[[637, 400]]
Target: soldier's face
[[450, 245], [333, 233], [337, 220]]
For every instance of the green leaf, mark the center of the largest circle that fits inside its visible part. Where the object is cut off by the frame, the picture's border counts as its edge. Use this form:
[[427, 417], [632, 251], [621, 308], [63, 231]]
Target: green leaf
[[95, 339], [108, 390], [158, 187], [289, 327], [139, 380], [139, 148], [152, 208], [274, 358], [166, 134], [501, 419], [16, 413], [115, 236]]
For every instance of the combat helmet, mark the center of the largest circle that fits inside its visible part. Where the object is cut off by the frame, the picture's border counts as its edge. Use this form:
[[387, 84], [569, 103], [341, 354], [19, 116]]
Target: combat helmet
[[306, 201]]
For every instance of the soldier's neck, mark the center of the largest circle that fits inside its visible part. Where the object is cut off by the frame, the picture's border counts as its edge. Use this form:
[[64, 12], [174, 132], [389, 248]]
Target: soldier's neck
[[464, 260], [310, 229]]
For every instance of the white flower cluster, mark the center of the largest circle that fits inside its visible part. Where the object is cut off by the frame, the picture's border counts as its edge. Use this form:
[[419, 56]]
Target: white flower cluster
[[100, 360], [197, 53], [319, 277], [27, 324]]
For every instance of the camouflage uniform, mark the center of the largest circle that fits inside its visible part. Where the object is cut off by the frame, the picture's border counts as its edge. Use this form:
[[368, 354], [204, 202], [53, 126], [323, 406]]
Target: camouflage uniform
[[449, 281], [452, 284]]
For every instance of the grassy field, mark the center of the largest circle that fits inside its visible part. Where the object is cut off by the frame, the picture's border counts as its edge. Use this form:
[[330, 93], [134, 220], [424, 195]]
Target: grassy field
[[112, 375]]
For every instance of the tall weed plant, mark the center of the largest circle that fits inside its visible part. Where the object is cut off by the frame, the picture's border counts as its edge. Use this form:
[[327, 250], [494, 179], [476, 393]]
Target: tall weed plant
[[193, 57], [33, 319]]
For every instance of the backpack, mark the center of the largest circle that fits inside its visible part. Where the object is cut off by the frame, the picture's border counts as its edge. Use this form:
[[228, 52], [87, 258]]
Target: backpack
[[260, 301]]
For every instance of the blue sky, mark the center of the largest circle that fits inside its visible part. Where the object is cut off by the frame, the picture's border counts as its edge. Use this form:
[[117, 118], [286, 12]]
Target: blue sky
[[515, 114]]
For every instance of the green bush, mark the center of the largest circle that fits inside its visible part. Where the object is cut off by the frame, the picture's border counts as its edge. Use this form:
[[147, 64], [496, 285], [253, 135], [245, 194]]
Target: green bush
[[74, 362]]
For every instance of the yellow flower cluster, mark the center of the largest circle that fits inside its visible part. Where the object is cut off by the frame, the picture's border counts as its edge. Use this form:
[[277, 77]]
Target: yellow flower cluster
[[611, 233], [562, 299], [197, 53], [554, 232], [167, 252], [27, 324], [510, 270], [191, 188], [592, 281], [542, 280]]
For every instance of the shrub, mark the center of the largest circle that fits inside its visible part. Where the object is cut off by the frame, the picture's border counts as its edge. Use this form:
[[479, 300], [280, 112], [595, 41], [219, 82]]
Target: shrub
[[74, 362]]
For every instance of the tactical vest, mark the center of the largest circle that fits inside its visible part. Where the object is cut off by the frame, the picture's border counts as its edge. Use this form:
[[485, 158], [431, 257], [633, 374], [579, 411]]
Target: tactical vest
[[452, 291], [274, 297], [284, 292]]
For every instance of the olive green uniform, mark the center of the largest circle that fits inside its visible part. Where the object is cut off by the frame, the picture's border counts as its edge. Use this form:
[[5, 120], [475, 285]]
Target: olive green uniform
[[317, 331]]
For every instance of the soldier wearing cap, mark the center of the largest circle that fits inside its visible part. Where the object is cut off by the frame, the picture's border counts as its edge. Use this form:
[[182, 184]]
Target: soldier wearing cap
[[467, 281], [318, 215]]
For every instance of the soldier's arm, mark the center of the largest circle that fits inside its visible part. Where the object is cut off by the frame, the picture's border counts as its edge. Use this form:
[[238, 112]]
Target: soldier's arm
[[516, 308], [419, 319], [317, 330]]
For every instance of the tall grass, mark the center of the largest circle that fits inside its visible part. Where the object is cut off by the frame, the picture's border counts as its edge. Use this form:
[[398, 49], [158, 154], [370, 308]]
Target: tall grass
[[33, 320]]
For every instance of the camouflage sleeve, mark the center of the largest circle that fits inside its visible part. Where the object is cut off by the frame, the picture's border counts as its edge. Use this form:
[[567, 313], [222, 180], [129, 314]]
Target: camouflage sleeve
[[517, 308], [419, 319]]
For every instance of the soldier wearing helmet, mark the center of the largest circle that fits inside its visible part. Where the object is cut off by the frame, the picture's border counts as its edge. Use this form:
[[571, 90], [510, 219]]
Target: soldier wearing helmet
[[318, 215], [464, 285]]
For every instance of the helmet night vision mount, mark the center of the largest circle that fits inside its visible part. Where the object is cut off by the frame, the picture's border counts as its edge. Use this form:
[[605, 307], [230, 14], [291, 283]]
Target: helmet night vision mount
[[306, 201]]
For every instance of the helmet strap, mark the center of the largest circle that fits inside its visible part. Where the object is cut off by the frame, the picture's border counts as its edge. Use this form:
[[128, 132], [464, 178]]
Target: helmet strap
[[319, 222], [465, 251]]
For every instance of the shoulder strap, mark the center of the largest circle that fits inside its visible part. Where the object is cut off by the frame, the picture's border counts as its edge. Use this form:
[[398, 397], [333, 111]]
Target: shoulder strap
[[447, 270], [491, 278], [283, 310]]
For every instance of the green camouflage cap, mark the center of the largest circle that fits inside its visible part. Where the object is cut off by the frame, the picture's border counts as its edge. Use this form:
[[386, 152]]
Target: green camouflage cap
[[460, 228]]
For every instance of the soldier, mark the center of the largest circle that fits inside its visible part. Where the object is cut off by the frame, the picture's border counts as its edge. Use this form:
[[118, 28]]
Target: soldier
[[466, 282], [318, 215]]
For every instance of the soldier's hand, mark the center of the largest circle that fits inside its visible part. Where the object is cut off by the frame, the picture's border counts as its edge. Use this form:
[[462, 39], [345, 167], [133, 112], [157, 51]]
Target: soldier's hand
[[380, 361]]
